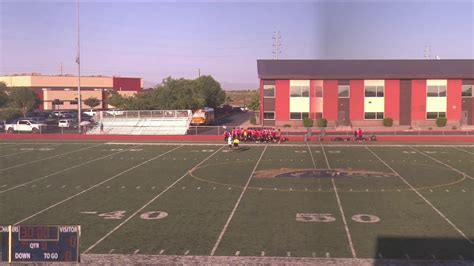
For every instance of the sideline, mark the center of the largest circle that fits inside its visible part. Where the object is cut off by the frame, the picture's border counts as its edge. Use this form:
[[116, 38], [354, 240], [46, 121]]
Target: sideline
[[109, 259]]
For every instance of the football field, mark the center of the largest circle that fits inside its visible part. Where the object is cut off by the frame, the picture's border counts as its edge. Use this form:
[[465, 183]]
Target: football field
[[406, 202]]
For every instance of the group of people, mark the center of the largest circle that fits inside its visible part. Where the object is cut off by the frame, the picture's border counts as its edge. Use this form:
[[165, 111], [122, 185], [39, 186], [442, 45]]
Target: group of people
[[269, 135]]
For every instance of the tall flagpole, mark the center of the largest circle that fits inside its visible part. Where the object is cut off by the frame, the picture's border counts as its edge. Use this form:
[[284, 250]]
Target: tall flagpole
[[78, 61]]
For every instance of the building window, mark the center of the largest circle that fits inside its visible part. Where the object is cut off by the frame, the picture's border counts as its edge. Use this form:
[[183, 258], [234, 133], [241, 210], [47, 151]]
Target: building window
[[269, 115], [319, 91], [319, 115], [343, 91], [436, 91], [374, 91], [299, 91], [434, 115], [467, 90], [298, 115], [373, 115], [269, 91]]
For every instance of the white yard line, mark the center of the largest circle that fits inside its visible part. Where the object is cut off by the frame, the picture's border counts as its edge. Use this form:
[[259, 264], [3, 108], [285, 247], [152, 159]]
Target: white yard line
[[348, 233], [457, 148], [312, 158], [149, 202], [50, 157], [62, 171], [21, 152], [421, 196], [94, 186], [341, 210], [440, 162], [219, 239], [325, 157]]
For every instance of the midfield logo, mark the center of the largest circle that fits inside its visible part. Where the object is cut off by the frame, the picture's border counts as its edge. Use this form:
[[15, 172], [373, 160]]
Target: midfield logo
[[320, 173]]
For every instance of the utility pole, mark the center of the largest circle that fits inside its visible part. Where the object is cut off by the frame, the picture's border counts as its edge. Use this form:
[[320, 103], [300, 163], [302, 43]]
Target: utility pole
[[78, 61], [61, 68], [276, 44], [199, 72]]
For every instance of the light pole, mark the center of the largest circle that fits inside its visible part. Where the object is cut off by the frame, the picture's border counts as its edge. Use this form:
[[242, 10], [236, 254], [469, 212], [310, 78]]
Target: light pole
[[78, 61]]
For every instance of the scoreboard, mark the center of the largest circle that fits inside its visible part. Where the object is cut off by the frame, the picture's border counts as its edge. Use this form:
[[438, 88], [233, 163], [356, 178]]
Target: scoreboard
[[40, 243]]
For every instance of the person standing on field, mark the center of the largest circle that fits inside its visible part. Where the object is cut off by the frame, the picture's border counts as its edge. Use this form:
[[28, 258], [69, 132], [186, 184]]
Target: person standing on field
[[229, 142]]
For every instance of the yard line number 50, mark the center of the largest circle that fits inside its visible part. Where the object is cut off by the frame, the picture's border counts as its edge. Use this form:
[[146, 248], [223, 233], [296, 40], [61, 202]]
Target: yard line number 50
[[328, 218]]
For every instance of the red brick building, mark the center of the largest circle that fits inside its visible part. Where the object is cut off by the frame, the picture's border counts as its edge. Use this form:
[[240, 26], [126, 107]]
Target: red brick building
[[363, 92], [64, 88]]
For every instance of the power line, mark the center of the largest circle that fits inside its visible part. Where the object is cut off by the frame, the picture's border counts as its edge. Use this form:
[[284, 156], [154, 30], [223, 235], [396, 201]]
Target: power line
[[276, 44]]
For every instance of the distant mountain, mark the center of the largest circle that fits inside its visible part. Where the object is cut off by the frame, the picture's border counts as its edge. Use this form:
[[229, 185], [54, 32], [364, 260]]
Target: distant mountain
[[149, 84], [238, 86]]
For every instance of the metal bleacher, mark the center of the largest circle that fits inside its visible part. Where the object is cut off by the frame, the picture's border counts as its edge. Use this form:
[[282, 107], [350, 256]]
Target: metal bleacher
[[152, 122]]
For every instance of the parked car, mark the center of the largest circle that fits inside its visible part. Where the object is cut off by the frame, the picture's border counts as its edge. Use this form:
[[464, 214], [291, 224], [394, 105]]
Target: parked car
[[69, 115], [65, 123], [90, 112], [24, 125], [57, 114]]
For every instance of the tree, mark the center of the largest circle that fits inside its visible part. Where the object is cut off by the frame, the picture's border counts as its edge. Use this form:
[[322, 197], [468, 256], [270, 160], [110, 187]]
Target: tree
[[3, 95], [173, 94], [23, 99], [255, 101], [92, 102], [210, 90], [115, 99]]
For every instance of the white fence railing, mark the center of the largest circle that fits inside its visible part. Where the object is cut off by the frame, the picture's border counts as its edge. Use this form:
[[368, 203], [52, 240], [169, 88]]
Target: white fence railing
[[145, 114]]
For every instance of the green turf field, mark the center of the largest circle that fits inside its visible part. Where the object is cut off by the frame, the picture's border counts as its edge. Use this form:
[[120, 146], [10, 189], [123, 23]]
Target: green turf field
[[334, 201]]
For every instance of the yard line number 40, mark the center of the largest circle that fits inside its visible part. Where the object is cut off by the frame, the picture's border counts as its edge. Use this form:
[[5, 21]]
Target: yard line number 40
[[328, 218], [118, 215]]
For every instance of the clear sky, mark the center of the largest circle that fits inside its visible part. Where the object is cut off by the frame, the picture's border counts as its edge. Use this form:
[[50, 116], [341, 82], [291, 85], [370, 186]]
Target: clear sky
[[154, 39]]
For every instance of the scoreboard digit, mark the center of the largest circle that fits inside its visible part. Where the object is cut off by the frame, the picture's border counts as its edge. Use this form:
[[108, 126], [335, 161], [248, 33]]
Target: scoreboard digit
[[40, 243]]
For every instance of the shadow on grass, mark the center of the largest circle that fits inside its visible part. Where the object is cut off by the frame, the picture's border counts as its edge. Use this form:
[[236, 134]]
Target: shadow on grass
[[241, 149], [423, 249]]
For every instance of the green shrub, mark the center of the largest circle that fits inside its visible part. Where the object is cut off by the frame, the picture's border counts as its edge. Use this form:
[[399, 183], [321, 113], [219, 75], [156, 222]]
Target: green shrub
[[286, 125], [454, 127], [253, 120], [441, 121], [308, 122], [322, 122], [388, 122]]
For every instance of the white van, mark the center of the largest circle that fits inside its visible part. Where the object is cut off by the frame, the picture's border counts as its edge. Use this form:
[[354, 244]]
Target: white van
[[66, 123], [90, 112]]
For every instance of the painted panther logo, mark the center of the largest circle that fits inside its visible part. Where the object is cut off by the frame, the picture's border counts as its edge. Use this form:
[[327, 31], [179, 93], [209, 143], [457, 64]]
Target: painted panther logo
[[319, 173]]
